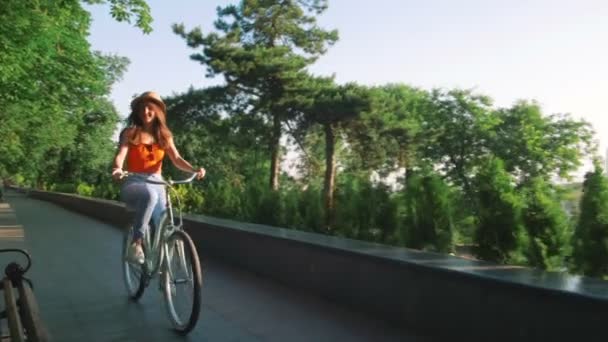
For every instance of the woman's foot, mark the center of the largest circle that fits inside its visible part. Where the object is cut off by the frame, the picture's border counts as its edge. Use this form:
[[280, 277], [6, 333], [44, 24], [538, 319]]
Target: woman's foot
[[136, 253]]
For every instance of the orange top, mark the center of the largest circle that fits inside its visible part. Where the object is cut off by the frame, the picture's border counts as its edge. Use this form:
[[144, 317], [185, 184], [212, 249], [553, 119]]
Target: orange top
[[145, 158]]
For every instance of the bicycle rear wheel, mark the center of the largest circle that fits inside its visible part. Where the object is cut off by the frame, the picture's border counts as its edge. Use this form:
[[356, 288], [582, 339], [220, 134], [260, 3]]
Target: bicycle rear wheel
[[182, 282], [134, 275]]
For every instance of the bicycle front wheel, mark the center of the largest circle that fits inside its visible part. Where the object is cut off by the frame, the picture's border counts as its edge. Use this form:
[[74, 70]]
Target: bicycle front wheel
[[133, 274], [182, 282]]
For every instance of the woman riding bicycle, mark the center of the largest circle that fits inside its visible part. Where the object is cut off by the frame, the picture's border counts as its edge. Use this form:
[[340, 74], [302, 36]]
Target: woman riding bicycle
[[143, 144]]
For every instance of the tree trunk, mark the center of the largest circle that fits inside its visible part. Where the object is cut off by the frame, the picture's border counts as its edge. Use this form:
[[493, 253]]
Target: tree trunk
[[275, 148], [330, 174]]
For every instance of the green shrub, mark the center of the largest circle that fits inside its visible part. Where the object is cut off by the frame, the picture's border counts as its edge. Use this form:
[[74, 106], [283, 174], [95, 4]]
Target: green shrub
[[500, 236], [292, 216], [223, 200], [107, 190], [190, 198], [364, 210], [66, 188], [546, 225], [85, 189], [311, 208], [590, 240], [427, 218]]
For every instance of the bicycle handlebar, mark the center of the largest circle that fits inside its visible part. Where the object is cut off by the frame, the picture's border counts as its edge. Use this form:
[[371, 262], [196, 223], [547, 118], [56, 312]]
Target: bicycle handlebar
[[168, 183], [18, 267], [184, 181]]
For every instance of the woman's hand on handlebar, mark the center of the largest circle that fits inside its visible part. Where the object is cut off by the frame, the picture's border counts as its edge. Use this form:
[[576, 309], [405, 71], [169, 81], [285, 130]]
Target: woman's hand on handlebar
[[200, 173], [118, 174]]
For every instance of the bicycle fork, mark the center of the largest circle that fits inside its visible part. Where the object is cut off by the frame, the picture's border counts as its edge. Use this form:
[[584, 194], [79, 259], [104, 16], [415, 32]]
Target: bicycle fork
[[168, 258]]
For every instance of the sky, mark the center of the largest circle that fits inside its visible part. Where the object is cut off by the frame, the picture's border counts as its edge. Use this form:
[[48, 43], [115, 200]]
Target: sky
[[550, 51]]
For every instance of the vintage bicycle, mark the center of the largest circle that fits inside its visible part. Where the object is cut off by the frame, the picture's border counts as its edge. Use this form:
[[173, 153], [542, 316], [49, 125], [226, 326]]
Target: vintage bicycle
[[170, 254]]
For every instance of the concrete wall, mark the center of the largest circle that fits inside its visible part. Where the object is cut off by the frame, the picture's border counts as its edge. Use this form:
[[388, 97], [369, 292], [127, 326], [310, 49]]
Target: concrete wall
[[443, 296]]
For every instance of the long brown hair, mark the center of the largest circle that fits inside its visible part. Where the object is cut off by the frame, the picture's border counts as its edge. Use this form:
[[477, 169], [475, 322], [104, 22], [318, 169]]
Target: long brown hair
[[162, 134]]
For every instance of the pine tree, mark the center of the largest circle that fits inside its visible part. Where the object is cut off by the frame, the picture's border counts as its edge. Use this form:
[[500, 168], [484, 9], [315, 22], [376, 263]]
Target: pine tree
[[335, 108], [262, 49], [590, 255]]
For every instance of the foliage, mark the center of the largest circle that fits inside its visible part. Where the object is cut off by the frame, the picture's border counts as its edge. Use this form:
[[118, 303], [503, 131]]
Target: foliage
[[428, 214], [364, 210], [188, 198], [85, 189], [590, 240], [107, 190], [55, 117], [389, 135], [500, 235], [262, 49], [311, 208], [464, 219], [534, 145], [472, 174], [546, 224], [334, 108], [125, 10], [460, 123], [223, 200], [66, 188]]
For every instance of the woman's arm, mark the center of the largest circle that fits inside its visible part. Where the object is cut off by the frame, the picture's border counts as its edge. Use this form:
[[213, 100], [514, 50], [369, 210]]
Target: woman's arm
[[121, 154], [181, 163]]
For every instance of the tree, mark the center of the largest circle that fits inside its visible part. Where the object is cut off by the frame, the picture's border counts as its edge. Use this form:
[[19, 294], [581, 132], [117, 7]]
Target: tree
[[310, 139], [460, 124], [51, 83], [365, 210], [212, 131], [87, 158], [534, 145], [590, 240], [500, 236], [124, 10], [262, 49], [546, 225], [334, 107], [389, 136], [48, 79], [428, 217]]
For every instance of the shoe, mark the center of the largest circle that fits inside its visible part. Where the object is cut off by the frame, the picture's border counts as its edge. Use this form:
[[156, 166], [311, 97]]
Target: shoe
[[135, 254]]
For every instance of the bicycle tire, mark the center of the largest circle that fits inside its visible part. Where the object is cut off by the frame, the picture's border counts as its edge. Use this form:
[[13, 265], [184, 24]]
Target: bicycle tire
[[134, 290], [183, 325]]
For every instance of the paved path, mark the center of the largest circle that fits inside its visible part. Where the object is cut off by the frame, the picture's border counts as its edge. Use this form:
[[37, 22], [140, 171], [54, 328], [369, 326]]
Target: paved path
[[78, 283]]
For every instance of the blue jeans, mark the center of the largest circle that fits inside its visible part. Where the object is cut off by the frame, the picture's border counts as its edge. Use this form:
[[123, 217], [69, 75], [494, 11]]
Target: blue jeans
[[149, 201]]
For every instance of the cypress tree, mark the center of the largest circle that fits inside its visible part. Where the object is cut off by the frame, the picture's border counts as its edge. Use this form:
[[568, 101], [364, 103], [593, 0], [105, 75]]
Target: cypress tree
[[546, 224], [590, 242], [500, 235], [428, 220]]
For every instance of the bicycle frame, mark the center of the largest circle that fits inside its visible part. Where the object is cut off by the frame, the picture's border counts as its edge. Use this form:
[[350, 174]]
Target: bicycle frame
[[171, 254], [163, 231]]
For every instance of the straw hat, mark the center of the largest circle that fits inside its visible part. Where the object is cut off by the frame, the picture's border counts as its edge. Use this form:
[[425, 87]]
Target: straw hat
[[150, 96]]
